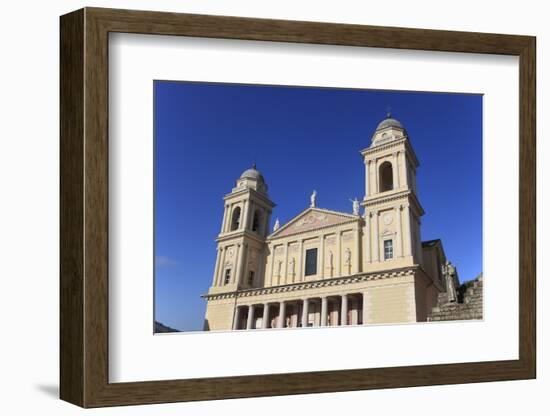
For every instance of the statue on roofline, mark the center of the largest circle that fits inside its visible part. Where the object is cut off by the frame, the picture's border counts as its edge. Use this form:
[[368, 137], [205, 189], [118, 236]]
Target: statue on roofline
[[313, 199]]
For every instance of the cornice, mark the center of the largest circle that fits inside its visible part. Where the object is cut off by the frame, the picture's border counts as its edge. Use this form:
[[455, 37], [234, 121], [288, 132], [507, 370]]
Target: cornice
[[234, 235], [258, 195], [294, 287], [395, 143], [382, 147], [408, 194]]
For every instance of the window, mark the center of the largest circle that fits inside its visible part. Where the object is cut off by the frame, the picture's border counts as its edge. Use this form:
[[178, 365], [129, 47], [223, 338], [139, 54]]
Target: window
[[385, 173], [236, 219], [227, 277], [311, 261], [388, 249], [256, 221], [250, 277]]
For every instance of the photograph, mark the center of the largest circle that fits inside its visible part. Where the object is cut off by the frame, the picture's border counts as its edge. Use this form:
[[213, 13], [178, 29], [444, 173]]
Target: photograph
[[236, 184], [290, 207]]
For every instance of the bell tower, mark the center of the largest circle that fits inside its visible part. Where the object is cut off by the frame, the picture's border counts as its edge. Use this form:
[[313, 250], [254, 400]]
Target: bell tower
[[241, 243], [392, 210]]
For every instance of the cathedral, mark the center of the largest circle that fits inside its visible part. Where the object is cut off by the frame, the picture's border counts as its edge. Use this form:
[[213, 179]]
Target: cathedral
[[324, 267]]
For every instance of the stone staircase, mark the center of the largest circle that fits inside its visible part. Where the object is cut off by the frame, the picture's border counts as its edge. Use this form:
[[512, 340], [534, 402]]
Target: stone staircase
[[468, 306]]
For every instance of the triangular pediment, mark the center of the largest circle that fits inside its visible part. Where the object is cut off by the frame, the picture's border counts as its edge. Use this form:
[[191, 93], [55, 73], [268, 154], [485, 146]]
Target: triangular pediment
[[313, 218]]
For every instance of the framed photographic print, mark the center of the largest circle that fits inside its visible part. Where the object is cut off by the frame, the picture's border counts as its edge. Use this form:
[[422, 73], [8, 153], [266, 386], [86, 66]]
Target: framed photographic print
[[262, 207]]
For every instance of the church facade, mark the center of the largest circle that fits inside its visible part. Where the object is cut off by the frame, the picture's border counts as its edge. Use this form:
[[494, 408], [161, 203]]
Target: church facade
[[329, 268]]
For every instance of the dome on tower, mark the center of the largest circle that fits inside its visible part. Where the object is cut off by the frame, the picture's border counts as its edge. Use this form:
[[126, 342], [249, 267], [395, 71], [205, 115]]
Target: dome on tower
[[389, 122], [253, 179], [252, 173], [387, 130]]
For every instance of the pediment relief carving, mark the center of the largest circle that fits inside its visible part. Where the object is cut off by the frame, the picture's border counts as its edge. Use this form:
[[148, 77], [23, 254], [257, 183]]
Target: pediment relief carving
[[312, 220]]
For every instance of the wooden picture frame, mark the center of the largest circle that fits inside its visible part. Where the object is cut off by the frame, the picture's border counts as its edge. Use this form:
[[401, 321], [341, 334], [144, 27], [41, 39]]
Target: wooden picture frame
[[84, 207]]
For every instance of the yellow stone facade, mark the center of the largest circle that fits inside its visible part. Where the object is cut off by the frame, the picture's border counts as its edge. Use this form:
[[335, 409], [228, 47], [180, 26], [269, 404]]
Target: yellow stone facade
[[323, 267]]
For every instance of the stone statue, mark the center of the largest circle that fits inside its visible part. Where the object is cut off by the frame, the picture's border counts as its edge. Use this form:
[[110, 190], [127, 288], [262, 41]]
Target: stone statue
[[330, 262], [279, 268], [451, 280], [277, 225], [313, 199], [355, 204], [347, 257], [292, 266]]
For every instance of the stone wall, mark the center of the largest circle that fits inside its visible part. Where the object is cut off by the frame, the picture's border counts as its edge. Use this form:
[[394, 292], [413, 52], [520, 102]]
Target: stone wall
[[469, 305]]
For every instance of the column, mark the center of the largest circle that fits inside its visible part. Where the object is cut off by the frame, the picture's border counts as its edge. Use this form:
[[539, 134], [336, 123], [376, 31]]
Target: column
[[402, 179], [217, 267], [299, 266], [244, 261], [272, 265], [281, 320], [236, 318], [374, 176], [261, 278], [285, 265], [408, 231], [365, 307], [353, 315], [376, 240], [222, 267], [357, 262], [238, 262], [225, 226], [338, 254], [225, 210], [405, 170], [250, 318], [399, 237], [237, 278], [367, 178], [321, 272], [395, 166], [324, 305], [367, 237], [231, 209], [305, 312], [245, 215], [344, 310], [265, 316]]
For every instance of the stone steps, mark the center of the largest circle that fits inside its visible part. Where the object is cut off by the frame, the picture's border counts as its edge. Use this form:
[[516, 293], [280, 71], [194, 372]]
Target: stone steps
[[470, 305]]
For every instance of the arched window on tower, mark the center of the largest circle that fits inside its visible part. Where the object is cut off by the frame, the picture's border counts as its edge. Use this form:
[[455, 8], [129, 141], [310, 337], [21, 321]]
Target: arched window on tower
[[236, 219], [385, 175], [256, 221]]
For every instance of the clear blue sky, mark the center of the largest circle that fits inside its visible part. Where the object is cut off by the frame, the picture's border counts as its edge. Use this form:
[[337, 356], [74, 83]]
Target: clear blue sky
[[301, 139]]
